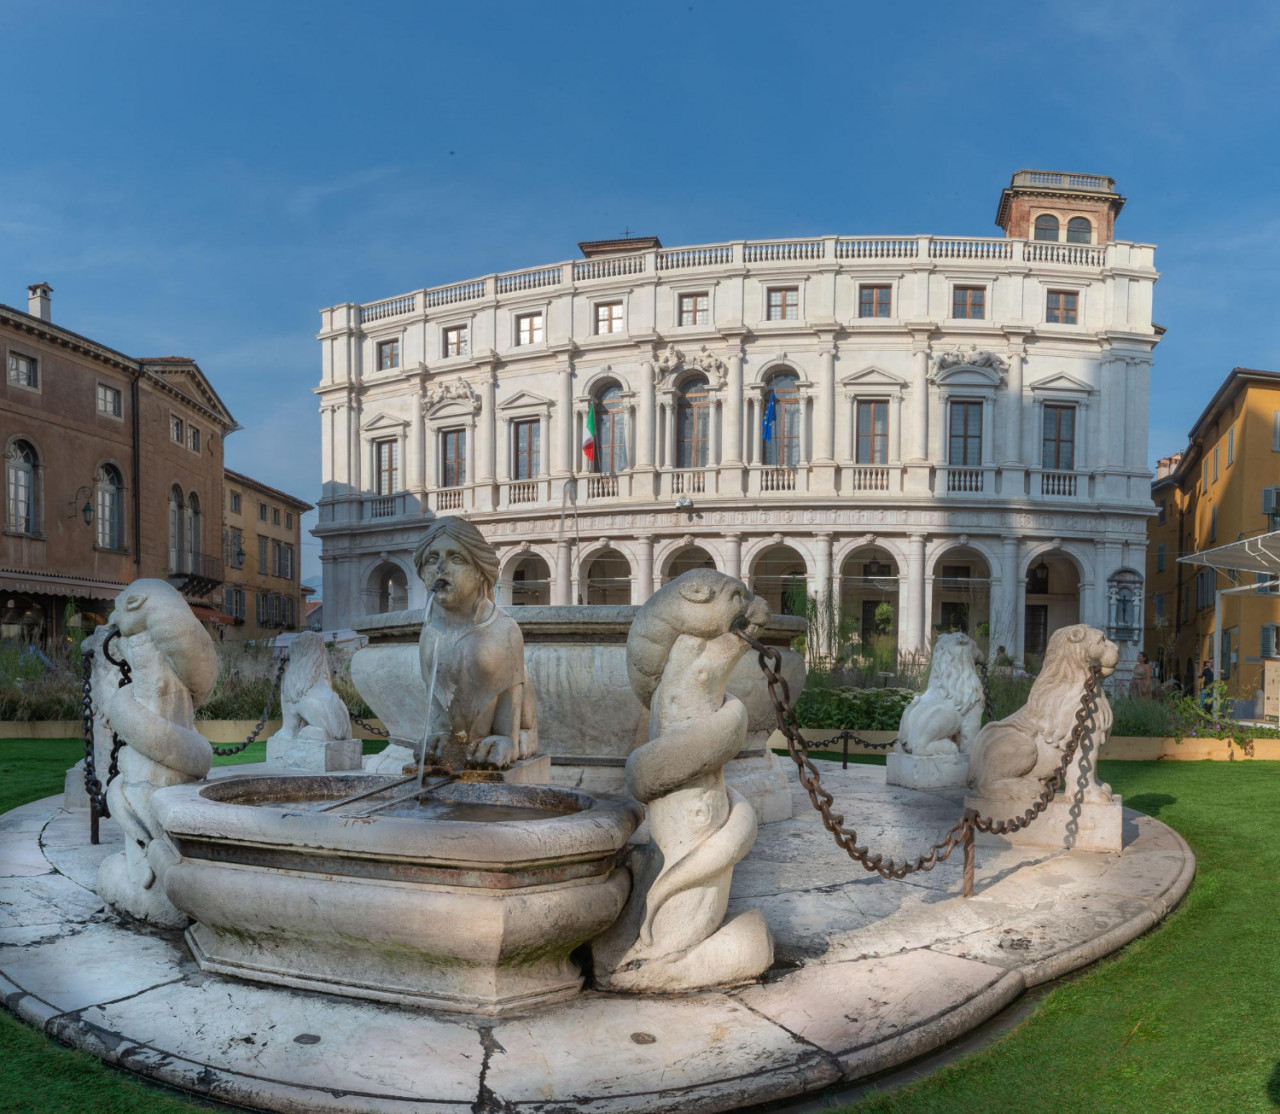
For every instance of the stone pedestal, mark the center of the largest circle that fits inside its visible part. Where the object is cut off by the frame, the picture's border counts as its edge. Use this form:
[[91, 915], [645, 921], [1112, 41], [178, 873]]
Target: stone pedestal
[[321, 755], [1066, 824], [926, 771]]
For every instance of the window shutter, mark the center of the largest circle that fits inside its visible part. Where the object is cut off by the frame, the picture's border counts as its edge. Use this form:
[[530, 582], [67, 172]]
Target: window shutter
[[1268, 640], [1268, 500], [1275, 431]]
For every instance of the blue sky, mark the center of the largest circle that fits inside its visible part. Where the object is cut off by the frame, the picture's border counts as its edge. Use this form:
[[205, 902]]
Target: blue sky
[[201, 179]]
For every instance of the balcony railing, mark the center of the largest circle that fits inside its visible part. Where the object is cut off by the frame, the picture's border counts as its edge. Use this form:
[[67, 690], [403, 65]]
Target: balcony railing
[[966, 479], [383, 506], [1080, 255], [195, 574], [688, 481], [603, 486], [392, 307], [1059, 485], [1095, 183], [864, 478], [523, 491], [778, 479], [449, 499]]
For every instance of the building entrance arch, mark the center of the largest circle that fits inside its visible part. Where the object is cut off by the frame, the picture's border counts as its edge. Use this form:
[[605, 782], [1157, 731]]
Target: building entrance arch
[[691, 557], [961, 594], [778, 575], [869, 602], [608, 578], [529, 584], [1053, 599]]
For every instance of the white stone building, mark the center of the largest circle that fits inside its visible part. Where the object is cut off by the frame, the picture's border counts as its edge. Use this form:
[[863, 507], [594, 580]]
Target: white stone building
[[959, 425]]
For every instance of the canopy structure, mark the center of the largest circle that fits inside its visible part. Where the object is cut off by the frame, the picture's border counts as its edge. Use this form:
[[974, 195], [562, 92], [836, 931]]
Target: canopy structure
[[1260, 554]]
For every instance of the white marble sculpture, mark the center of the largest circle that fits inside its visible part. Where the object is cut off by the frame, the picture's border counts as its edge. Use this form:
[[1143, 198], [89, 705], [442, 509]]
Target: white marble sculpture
[[1013, 757], [680, 653], [938, 727], [104, 679], [174, 667], [482, 710], [316, 732]]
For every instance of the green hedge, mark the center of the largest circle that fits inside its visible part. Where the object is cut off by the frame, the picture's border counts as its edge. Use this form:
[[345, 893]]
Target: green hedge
[[854, 709]]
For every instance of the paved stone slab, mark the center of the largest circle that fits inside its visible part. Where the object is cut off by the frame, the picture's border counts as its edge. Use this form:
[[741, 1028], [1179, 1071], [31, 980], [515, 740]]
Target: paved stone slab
[[880, 1012], [703, 1052], [886, 971]]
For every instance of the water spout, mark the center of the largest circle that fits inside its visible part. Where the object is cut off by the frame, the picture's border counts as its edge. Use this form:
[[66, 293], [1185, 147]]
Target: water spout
[[431, 686]]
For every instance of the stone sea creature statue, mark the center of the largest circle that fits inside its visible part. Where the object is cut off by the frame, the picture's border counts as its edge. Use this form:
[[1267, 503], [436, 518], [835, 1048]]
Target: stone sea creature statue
[[174, 667], [945, 718], [316, 726], [471, 653], [1012, 757], [670, 936]]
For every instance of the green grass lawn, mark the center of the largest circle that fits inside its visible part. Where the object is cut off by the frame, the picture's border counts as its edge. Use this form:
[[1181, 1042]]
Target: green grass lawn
[[1184, 1019]]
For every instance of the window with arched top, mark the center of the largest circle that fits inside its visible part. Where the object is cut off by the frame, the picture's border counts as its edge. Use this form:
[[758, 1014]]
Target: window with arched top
[[194, 531], [110, 509], [1079, 231], [693, 423], [21, 463], [780, 428], [1046, 227], [177, 512], [393, 591], [610, 442]]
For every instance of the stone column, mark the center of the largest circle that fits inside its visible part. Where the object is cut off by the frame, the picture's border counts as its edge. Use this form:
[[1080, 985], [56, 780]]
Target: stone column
[[1019, 648], [645, 426], [504, 456], [564, 422], [911, 629], [916, 476], [733, 555], [487, 432], [413, 448], [562, 588], [733, 411], [1014, 462], [821, 591], [544, 446], [644, 569], [824, 416], [1006, 621], [895, 428]]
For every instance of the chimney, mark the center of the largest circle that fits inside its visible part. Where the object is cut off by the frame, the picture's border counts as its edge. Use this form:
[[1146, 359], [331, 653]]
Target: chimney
[[38, 301]]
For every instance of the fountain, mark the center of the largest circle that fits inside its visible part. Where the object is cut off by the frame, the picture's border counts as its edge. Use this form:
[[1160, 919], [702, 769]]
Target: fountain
[[463, 892]]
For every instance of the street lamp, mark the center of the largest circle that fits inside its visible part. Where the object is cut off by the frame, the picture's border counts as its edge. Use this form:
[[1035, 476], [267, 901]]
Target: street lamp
[[86, 511]]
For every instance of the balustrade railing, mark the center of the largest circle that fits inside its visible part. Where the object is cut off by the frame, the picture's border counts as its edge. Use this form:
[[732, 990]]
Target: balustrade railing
[[877, 247], [679, 258], [523, 491], [383, 506], [778, 479], [688, 481], [392, 307], [947, 248], [1062, 179], [608, 267], [449, 499], [782, 251], [966, 479], [602, 486], [458, 292], [1080, 255], [529, 280], [865, 478], [1058, 484]]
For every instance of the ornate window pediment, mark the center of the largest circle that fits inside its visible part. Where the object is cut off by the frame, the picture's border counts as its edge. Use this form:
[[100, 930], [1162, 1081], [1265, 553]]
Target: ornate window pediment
[[968, 375], [524, 400], [873, 379], [386, 425], [451, 400], [1061, 383]]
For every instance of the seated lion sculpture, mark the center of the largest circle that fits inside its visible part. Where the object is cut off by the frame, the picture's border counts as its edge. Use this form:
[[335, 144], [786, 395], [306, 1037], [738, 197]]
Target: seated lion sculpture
[[945, 718], [310, 707], [1013, 757]]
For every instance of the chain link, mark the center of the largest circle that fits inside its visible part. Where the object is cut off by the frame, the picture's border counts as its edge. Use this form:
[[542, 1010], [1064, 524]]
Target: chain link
[[380, 732], [93, 787], [961, 833], [236, 748]]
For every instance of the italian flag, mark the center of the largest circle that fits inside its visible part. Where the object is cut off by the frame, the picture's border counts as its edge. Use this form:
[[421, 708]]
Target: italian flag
[[589, 435]]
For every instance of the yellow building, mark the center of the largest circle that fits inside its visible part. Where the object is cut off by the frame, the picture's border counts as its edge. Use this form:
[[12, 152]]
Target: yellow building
[[1222, 488], [262, 546]]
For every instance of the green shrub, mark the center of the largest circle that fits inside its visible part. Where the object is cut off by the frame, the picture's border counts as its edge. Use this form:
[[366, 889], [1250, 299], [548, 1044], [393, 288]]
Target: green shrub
[[854, 709]]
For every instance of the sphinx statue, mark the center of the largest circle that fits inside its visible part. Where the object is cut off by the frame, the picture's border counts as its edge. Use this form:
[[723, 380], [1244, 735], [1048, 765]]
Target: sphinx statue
[[316, 730], [680, 652], [482, 711], [173, 667], [1014, 758]]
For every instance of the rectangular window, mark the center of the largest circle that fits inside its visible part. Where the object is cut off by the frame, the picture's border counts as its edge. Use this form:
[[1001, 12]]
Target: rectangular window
[[24, 371], [1215, 463], [609, 317], [525, 436], [1213, 525], [263, 567], [288, 520], [109, 401], [1163, 513], [388, 354], [235, 502], [275, 516], [1231, 446], [695, 309], [386, 466], [177, 430], [193, 439], [873, 301], [1268, 646], [529, 328], [1204, 474], [277, 560], [969, 302], [783, 303], [235, 554], [1160, 558], [453, 452], [261, 610], [1062, 307], [693, 426], [873, 432], [262, 512], [1159, 602], [456, 342], [965, 450], [1059, 449], [1275, 431]]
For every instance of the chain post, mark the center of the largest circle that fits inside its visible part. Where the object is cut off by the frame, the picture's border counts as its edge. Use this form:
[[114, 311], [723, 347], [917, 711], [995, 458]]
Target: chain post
[[969, 837]]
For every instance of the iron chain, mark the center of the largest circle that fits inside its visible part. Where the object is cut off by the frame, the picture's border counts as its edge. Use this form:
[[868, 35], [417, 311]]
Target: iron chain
[[236, 748], [93, 786], [380, 732], [961, 833]]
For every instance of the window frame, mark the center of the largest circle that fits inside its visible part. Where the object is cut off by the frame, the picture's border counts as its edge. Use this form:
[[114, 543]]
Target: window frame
[[875, 288], [526, 462], [1056, 238], [194, 439], [118, 413], [1067, 314], [37, 378], [111, 515], [457, 462], [612, 432], [236, 502], [391, 347], [537, 333], [1058, 440], [785, 444], [877, 454], [615, 317], [969, 291], [177, 429], [14, 469], [966, 438], [694, 406], [456, 337], [386, 466], [1088, 224], [784, 305], [262, 511], [704, 311]]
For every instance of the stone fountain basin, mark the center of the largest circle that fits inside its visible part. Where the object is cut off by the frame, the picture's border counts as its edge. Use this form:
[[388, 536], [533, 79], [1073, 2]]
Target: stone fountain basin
[[453, 914]]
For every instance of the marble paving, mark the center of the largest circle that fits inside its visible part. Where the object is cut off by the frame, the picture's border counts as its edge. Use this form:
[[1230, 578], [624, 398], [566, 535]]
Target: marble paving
[[868, 974]]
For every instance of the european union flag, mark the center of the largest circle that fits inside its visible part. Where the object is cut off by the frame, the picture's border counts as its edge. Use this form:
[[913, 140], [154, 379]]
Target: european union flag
[[770, 413]]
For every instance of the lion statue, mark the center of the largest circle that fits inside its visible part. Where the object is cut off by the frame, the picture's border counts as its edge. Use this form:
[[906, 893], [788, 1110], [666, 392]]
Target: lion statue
[[174, 667], [1013, 757], [945, 718], [311, 709], [671, 935]]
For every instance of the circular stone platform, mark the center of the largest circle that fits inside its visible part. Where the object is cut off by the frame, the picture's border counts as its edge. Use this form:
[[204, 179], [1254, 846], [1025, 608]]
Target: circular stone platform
[[869, 974]]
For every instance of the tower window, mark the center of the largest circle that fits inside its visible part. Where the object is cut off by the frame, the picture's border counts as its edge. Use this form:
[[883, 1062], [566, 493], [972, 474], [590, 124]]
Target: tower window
[[1046, 227], [1079, 231]]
